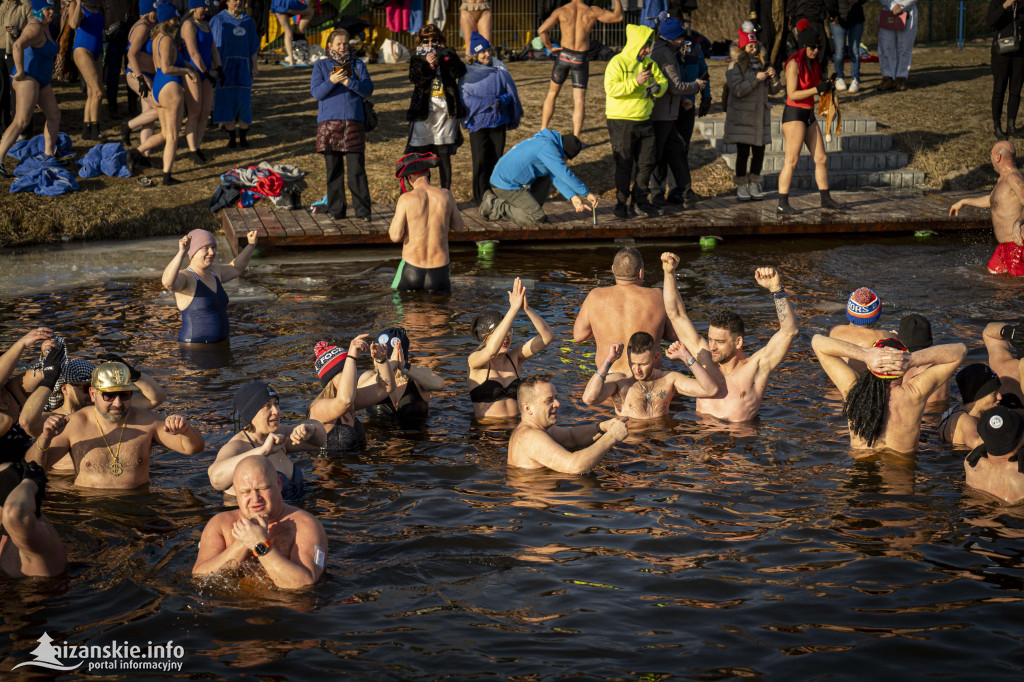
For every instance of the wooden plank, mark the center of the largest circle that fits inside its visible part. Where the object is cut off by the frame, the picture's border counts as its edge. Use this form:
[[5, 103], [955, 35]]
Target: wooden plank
[[270, 222], [311, 226], [290, 224]]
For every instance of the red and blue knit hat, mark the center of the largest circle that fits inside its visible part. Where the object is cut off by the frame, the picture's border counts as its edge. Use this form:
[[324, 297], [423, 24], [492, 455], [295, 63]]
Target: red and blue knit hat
[[329, 361], [864, 307]]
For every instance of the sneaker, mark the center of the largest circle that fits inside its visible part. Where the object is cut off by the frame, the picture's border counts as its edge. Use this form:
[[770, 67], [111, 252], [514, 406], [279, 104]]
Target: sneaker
[[855, 85], [645, 209], [620, 211], [754, 187], [487, 204], [742, 189], [840, 84], [690, 198]]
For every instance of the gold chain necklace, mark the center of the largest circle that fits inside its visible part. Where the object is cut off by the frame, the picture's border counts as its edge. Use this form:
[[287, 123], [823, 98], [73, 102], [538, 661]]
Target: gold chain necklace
[[115, 464]]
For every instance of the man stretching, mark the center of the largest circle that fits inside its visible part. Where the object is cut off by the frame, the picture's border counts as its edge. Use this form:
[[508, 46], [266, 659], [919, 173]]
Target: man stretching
[[638, 400], [423, 216], [574, 19], [741, 380]]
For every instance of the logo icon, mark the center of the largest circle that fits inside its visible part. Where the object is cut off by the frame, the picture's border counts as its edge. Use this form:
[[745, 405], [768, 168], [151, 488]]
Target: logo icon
[[46, 656]]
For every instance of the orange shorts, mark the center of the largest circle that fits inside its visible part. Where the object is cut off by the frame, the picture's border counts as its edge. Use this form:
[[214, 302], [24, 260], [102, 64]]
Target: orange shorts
[[1008, 259]]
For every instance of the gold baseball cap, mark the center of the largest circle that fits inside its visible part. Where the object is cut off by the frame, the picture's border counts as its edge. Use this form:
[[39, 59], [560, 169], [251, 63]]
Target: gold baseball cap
[[111, 377]]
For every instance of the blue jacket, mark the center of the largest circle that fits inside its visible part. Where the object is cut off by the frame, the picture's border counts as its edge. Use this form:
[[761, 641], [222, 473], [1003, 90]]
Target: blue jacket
[[694, 65], [534, 158], [491, 98], [337, 102]]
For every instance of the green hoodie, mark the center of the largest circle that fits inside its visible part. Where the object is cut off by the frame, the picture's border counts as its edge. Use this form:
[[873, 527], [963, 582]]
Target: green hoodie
[[624, 96]]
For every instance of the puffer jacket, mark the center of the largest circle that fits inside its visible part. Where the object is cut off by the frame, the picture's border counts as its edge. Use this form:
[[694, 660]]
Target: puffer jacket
[[666, 107], [624, 96], [748, 117], [14, 13], [422, 76]]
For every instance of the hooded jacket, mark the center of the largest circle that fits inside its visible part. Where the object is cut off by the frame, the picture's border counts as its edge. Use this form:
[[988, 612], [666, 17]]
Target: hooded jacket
[[536, 157], [422, 76], [491, 98], [748, 119], [624, 96], [666, 56]]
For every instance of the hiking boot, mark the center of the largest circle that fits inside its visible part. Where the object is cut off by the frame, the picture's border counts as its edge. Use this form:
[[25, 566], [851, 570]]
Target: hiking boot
[[901, 84], [840, 84], [784, 208], [674, 197], [855, 85], [126, 134], [645, 209], [742, 189], [690, 198], [886, 84], [487, 204], [621, 211], [754, 187]]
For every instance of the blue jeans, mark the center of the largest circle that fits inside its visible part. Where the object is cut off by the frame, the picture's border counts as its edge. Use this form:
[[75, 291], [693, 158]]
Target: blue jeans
[[843, 36]]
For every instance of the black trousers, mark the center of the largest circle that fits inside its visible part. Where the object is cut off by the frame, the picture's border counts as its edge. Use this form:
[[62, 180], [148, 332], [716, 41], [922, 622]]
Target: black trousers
[[671, 153], [443, 152], [1007, 70], [632, 150], [677, 184], [114, 58], [6, 90], [357, 183], [754, 153], [487, 146]]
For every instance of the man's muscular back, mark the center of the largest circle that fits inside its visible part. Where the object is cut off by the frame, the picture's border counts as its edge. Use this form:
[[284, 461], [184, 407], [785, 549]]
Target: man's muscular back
[[614, 313], [1007, 209], [428, 216], [574, 23]]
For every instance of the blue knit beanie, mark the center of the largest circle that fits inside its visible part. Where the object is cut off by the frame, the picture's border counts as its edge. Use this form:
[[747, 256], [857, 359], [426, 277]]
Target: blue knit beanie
[[477, 43]]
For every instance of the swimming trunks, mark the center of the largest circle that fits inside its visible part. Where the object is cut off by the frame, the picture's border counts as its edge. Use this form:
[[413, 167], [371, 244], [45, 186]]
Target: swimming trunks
[[1008, 259], [805, 116], [491, 390], [286, 6], [204, 43], [571, 62], [345, 437], [205, 319], [292, 489], [412, 278], [89, 34], [39, 61], [161, 79], [412, 405], [14, 444]]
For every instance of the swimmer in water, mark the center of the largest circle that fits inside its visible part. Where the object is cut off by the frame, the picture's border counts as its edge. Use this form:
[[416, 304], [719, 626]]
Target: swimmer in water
[[409, 403], [198, 291], [539, 442], [979, 390], [495, 366], [289, 543], [14, 391], [646, 392], [863, 310], [995, 467], [29, 544]]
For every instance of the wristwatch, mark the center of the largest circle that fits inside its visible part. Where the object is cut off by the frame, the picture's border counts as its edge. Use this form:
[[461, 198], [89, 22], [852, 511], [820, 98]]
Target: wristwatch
[[689, 363], [261, 549]]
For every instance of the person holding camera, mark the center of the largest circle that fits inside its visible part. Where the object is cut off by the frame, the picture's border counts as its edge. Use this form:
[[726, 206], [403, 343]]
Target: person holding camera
[[436, 106], [339, 84], [632, 81], [1007, 18], [197, 40], [804, 79], [86, 17]]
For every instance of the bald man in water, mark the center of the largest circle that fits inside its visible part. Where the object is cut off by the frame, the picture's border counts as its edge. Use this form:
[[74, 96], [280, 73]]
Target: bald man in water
[[288, 543], [1007, 203]]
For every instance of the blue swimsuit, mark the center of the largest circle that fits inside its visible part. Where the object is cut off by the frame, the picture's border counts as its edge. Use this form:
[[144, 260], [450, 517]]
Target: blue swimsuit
[[89, 33], [204, 41], [147, 48], [205, 320], [39, 61], [161, 79]]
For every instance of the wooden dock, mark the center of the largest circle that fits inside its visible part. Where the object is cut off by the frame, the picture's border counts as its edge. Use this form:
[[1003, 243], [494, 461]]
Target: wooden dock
[[869, 211]]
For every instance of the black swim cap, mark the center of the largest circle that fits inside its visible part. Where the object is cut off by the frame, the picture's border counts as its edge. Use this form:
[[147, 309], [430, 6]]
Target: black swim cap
[[484, 324], [250, 399], [388, 336]]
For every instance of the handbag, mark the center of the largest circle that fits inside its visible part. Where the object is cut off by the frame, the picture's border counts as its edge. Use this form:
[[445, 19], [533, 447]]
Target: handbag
[[892, 22], [1011, 43], [369, 116]]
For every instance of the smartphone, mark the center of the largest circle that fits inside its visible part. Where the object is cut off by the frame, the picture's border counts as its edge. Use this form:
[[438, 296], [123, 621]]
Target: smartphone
[[336, 69]]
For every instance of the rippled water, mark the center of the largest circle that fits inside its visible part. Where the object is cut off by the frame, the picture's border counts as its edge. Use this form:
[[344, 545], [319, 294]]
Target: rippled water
[[691, 552]]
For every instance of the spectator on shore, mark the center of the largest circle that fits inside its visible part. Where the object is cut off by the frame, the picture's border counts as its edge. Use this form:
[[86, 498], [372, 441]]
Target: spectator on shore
[[632, 81], [238, 44], [896, 44], [492, 108], [669, 147], [86, 17], [14, 15], [139, 75], [846, 19], [1007, 18], [197, 40], [804, 79], [748, 119], [475, 17], [522, 179], [436, 106], [339, 84], [34, 53], [284, 10]]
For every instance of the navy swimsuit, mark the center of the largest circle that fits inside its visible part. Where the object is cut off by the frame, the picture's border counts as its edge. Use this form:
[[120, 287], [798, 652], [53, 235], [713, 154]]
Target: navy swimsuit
[[205, 320]]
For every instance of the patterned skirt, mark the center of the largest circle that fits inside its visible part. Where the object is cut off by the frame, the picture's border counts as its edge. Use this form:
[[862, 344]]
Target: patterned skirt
[[340, 136]]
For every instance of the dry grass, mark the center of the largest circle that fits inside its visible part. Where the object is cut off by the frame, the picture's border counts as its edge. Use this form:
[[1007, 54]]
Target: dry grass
[[942, 122]]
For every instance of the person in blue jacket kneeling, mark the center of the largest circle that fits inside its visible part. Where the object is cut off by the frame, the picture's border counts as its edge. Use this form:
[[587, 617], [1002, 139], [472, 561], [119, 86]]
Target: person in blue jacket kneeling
[[339, 85], [523, 177], [492, 108]]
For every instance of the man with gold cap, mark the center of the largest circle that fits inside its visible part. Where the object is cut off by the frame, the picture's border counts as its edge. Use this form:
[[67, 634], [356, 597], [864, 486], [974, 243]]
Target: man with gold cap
[[110, 441], [198, 292]]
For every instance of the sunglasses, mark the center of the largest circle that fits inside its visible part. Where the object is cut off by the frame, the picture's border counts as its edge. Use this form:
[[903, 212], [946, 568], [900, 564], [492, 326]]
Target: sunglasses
[[111, 396], [430, 41]]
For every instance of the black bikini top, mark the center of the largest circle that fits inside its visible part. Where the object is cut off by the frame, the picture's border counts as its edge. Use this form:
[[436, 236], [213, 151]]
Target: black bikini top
[[491, 391], [411, 404]]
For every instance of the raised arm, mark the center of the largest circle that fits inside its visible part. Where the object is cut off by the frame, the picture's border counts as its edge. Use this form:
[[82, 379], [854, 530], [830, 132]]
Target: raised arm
[[377, 385], [1000, 355], [701, 385], [150, 395], [426, 378], [777, 347], [75, 14], [676, 311], [545, 449], [544, 334], [233, 269], [396, 231], [941, 362], [178, 435], [173, 279], [611, 16], [51, 445], [9, 360], [831, 352], [329, 410], [479, 359], [601, 387]]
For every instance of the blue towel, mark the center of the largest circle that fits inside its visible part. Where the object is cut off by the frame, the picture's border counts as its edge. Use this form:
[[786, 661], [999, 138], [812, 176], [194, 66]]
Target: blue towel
[[47, 181], [31, 164], [37, 145], [415, 16], [104, 159]]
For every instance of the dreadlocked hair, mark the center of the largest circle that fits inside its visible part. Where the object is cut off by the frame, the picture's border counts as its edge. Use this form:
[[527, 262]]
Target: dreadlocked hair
[[867, 407]]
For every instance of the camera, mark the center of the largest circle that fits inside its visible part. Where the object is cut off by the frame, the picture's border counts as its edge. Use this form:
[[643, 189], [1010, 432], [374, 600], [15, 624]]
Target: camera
[[1014, 333]]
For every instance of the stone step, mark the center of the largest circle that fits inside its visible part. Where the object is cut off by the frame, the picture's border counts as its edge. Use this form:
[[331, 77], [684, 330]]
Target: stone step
[[867, 142], [848, 161], [852, 124], [849, 180]]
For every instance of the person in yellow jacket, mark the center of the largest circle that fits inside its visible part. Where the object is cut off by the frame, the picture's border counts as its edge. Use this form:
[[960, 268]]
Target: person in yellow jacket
[[631, 82]]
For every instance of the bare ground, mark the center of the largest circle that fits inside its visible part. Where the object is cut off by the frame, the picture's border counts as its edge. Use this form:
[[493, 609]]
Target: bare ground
[[942, 122]]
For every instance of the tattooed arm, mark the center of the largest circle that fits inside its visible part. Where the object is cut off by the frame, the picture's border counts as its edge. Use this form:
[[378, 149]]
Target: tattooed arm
[[776, 348]]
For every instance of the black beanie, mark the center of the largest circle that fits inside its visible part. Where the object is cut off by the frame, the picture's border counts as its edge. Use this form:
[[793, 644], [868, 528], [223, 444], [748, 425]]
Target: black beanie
[[807, 35], [915, 332], [571, 146], [975, 381]]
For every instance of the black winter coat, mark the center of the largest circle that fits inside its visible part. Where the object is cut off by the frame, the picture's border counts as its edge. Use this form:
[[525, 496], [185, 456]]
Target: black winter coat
[[849, 12], [422, 77]]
